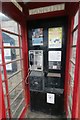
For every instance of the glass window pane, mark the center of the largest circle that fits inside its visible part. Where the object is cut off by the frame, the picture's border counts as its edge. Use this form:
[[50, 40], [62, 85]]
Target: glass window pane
[[2, 72], [13, 68], [20, 41], [14, 81], [10, 40], [7, 114], [18, 91], [72, 70], [0, 57], [17, 101], [9, 24], [20, 29], [11, 54], [73, 56], [75, 35], [4, 88], [1, 67], [6, 103], [17, 113], [15, 92]]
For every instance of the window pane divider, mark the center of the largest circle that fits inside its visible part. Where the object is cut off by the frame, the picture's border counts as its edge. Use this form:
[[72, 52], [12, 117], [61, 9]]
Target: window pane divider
[[11, 61], [72, 61], [18, 107], [74, 29], [16, 97], [3, 30], [14, 73], [16, 47], [14, 61]]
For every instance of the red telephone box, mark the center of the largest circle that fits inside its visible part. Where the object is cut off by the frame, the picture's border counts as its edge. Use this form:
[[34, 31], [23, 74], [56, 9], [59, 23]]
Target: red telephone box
[[16, 61]]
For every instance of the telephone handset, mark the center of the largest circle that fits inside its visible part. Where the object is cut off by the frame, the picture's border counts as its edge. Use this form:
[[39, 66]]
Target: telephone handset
[[31, 59]]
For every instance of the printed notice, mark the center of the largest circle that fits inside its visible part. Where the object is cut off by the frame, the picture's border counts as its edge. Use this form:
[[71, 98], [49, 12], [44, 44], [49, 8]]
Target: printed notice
[[50, 98], [55, 37], [37, 36], [54, 60], [7, 54], [54, 56]]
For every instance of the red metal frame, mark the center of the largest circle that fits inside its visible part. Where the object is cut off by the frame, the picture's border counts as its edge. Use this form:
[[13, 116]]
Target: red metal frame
[[25, 56], [78, 113], [76, 78], [11, 32], [17, 84], [2, 108], [20, 18], [69, 41], [22, 22], [17, 15], [6, 81], [1, 94]]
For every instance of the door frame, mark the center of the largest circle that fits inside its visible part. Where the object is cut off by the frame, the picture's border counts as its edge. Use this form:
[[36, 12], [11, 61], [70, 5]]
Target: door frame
[[18, 16]]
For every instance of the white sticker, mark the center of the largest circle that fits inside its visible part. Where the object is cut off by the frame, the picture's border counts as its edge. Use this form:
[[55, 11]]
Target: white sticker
[[7, 52], [54, 67], [50, 98], [9, 66], [54, 56]]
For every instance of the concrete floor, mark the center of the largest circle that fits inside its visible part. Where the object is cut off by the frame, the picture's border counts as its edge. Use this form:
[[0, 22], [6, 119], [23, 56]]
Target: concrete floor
[[37, 115]]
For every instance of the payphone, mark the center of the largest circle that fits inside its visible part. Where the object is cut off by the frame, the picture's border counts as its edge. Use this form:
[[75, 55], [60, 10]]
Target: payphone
[[36, 67], [36, 60]]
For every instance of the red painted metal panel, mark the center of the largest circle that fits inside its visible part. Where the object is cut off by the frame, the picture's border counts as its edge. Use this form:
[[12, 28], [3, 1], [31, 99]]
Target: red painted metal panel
[[0, 97], [71, 10], [79, 73], [78, 112], [69, 42], [76, 84], [25, 57], [79, 94], [32, 5], [2, 105], [47, 15]]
